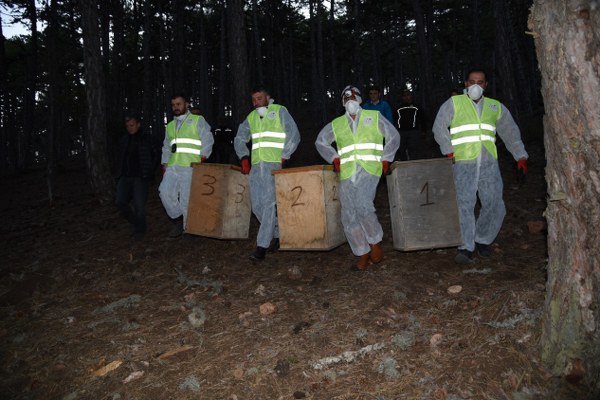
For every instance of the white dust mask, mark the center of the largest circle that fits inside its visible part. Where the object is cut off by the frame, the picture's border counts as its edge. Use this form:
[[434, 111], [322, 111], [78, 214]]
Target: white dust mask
[[352, 107], [475, 92], [261, 111]]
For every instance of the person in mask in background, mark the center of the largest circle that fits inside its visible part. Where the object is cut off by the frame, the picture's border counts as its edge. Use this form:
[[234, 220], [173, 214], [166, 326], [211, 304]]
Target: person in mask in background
[[361, 158], [274, 137], [465, 129]]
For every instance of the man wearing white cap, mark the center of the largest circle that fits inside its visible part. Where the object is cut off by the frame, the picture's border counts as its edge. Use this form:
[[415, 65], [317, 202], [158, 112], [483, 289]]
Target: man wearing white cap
[[360, 159]]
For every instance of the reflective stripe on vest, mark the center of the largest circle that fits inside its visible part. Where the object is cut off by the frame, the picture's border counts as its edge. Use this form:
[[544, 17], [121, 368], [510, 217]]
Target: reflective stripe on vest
[[365, 147], [187, 141], [469, 132], [268, 136]]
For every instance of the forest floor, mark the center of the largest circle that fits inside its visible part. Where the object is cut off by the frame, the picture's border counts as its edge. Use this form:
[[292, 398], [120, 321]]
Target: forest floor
[[86, 312]]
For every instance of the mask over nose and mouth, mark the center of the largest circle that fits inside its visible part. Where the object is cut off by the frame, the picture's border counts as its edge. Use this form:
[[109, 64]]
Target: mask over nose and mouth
[[474, 92], [261, 111], [352, 106]]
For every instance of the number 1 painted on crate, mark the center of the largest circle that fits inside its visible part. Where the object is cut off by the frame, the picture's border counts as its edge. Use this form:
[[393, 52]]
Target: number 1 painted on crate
[[425, 189]]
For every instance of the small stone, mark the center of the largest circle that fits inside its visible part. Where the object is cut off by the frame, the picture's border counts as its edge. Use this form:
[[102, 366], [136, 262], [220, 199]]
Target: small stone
[[282, 368], [454, 289], [294, 273], [267, 308]]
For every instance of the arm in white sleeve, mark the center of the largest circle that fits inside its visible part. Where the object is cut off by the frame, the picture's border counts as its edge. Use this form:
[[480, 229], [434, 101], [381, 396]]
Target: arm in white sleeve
[[323, 144], [441, 127], [292, 134], [206, 137], [392, 139], [166, 149], [241, 138], [509, 132]]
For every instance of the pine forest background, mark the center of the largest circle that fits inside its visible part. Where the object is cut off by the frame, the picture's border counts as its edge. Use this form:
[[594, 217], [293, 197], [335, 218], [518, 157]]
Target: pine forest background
[[131, 56]]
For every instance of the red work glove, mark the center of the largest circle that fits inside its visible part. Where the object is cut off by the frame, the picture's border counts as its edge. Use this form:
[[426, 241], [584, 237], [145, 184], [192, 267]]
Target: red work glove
[[450, 155], [163, 167], [522, 165], [336, 164], [283, 162], [521, 170], [202, 159], [386, 167], [245, 166]]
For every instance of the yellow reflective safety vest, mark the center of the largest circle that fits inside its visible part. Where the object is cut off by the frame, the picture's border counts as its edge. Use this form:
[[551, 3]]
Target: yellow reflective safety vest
[[469, 131], [364, 148], [268, 136], [186, 140]]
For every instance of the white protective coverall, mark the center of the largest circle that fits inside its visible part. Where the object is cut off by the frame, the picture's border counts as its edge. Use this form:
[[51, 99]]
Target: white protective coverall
[[262, 182], [174, 189], [479, 177], [357, 193]]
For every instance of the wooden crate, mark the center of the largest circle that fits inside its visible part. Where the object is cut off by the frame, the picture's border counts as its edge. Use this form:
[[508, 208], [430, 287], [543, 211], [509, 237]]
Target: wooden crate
[[308, 208], [219, 202], [423, 205]]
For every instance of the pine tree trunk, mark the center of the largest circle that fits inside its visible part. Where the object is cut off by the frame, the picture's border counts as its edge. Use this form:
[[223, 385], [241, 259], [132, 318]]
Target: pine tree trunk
[[567, 34], [95, 132], [238, 58]]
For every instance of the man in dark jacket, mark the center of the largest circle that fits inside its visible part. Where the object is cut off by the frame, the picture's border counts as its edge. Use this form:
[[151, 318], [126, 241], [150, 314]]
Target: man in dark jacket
[[137, 162]]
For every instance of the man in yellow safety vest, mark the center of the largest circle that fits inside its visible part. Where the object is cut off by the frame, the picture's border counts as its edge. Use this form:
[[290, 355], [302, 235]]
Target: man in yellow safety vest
[[466, 127], [361, 158]]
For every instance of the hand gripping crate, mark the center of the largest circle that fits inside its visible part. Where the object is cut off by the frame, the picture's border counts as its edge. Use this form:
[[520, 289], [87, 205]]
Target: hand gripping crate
[[423, 205], [219, 204], [308, 208]]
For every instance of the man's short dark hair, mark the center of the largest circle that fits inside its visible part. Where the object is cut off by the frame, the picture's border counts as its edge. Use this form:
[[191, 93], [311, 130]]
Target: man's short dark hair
[[260, 88], [476, 70], [374, 87], [135, 117], [183, 96]]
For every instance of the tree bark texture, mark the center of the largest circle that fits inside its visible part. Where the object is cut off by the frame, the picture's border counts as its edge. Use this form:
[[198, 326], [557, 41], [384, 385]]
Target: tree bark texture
[[95, 132], [238, 58], [567, 38]]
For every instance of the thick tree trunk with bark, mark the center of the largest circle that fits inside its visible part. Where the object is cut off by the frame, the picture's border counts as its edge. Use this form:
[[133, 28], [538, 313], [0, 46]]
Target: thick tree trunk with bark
[[567, 37], [95, 132], [423, 37], [238, 58]]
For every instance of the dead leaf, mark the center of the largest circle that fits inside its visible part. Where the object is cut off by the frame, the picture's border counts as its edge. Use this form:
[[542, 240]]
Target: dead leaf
[[133, 376], [107, 368], [178, 350]]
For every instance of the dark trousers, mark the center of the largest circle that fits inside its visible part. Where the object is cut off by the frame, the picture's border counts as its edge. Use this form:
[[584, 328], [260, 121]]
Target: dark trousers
[[134, 191], [410, 146]]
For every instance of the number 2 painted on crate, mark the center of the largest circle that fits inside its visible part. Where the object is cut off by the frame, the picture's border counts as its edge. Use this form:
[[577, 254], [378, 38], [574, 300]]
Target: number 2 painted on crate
[[296, 203], [425, 189]]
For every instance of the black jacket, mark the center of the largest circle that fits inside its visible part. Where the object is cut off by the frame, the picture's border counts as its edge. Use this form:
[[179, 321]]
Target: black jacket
[[145, 159]]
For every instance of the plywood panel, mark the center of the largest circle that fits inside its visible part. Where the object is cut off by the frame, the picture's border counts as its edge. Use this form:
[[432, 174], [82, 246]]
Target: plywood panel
[[307, 208], [423, 205], [219, 204]]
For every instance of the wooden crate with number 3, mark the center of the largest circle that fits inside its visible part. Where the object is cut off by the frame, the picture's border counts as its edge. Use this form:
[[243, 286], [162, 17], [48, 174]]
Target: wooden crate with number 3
[[219, 202]]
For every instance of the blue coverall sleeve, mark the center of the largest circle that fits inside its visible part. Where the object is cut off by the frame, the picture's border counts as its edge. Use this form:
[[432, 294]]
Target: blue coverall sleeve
[[241, 138], [292, 134], [206, 137], [441, 127]]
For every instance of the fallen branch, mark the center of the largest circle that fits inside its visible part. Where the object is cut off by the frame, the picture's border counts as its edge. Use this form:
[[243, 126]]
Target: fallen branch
[[347, 356]]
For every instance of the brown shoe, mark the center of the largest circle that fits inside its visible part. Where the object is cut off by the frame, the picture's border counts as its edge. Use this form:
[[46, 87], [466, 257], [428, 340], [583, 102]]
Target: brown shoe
[[363, 262], [376, 253]]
